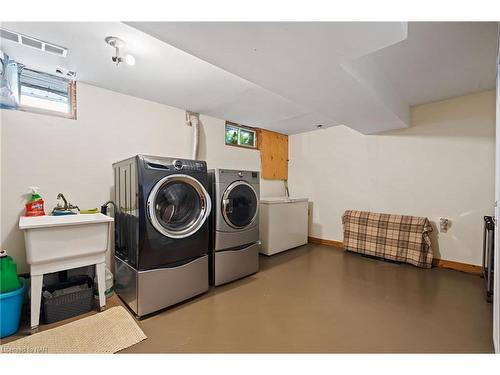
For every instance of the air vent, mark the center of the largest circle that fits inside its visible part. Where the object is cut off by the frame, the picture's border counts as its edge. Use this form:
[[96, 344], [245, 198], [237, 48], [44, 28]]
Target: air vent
[[33, 42], [55, 49], [5, 34]]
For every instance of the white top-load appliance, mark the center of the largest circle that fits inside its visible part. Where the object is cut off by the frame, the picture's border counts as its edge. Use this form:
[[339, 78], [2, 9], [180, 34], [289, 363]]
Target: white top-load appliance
[[283, 223]]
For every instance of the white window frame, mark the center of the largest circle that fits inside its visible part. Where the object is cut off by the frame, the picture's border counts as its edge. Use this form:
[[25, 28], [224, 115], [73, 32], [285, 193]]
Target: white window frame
[[71, 114], [244, 128]]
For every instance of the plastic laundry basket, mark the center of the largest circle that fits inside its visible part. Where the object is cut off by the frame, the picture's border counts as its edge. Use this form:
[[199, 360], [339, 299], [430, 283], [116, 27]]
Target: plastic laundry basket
[[11, 304]]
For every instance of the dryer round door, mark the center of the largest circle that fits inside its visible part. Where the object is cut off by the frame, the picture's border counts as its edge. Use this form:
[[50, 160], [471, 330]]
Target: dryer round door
[[240, 204], [178, 206]]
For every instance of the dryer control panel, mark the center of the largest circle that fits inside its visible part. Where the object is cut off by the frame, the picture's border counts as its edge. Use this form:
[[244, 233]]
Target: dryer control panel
[[230, 175]]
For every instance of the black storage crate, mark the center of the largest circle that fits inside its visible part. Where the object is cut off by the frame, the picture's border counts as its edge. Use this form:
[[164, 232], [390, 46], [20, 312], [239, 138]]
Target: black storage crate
[[68, 305]]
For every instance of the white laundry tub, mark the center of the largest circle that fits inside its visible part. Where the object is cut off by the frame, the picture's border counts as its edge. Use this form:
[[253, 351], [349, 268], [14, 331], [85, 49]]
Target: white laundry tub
[[57, 243], [54, 238]]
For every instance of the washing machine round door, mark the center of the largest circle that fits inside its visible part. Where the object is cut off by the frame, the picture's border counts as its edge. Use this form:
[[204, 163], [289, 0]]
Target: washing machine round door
[[178, 206], [240, 204]]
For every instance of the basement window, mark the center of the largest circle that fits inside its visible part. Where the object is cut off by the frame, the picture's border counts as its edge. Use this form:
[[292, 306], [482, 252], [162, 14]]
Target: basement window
[[242, 136], [47, 94]]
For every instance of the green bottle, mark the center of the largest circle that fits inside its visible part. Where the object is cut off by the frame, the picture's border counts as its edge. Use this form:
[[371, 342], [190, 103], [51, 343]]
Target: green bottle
[[8, 273]]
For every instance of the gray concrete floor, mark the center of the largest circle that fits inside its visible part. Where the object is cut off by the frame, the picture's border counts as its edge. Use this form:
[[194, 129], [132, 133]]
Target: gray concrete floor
[[317, 299]]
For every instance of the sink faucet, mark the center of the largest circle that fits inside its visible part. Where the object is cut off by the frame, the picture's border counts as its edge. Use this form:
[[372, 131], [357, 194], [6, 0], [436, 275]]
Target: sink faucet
[[67, 206]]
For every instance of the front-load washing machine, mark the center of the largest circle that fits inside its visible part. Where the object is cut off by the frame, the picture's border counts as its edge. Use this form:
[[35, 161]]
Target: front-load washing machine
[[234, 223], [162, 234]]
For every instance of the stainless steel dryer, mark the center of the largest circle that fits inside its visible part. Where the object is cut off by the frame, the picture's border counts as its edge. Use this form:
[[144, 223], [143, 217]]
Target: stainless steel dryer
[[234, 222], [162, 241]]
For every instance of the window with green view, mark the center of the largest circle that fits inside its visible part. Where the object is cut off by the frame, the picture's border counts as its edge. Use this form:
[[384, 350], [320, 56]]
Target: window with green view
[[240, 136]]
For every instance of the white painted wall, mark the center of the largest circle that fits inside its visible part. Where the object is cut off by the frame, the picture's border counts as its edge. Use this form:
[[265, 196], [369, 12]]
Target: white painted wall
[[75, 157], [443, 165]]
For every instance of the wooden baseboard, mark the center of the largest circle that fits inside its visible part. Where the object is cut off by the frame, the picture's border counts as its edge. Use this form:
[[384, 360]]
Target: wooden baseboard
[[441, 263], [337, 244], [457, 266]]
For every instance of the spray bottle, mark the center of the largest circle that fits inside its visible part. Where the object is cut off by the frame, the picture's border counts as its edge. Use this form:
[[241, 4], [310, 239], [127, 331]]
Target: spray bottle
[[35, 205]]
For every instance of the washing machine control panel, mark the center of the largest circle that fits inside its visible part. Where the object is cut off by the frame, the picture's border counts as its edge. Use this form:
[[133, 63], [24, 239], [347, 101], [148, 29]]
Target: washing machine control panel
[[192, 165], [160, 163], [178, 164]]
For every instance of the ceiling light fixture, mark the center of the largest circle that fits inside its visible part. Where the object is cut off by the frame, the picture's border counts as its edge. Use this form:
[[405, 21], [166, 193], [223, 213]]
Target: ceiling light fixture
[[118, 44], [130, 60]]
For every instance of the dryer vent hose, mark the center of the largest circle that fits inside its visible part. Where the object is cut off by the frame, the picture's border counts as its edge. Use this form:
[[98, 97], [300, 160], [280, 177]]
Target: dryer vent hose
[[196, 135], [193, 120]]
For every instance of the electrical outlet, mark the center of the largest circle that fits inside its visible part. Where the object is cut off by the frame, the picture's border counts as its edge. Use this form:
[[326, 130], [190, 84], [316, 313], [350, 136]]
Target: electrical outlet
[[444, 224]]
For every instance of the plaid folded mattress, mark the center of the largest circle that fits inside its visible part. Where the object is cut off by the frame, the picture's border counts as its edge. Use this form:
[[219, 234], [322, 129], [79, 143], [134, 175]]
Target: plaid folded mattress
[[395, 237]]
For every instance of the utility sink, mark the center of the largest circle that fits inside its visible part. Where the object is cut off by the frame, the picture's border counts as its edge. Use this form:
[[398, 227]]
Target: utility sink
[[57, 243], [53, 238]]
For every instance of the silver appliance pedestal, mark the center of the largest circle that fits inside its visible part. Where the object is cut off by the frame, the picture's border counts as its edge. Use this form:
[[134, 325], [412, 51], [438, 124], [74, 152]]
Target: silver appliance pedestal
[[148, 291], [235, 264]]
